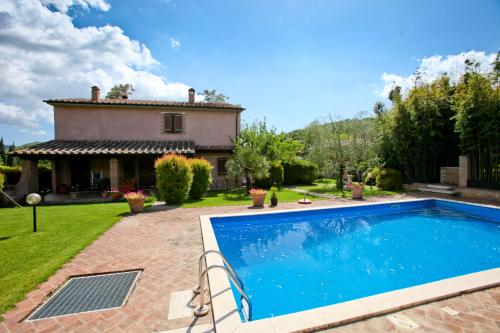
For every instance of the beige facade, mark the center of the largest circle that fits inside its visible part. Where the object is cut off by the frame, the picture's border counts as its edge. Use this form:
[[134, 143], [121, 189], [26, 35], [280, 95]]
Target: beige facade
[[207, 127], [103, 143]]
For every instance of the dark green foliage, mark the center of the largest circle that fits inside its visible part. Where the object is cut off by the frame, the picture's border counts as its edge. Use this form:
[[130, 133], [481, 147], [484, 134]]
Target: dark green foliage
[[202, 177], [477, 105], [173, 178], [3, 153], [300, 172], [211, 96], [2, 180], [276, 176], [389, 179]]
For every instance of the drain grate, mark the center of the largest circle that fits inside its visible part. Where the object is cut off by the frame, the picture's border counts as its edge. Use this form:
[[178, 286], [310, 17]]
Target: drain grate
[[89, 293]]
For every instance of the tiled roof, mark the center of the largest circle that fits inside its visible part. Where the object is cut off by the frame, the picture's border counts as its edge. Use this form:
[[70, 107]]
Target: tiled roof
[[63, 147], [138, 102]]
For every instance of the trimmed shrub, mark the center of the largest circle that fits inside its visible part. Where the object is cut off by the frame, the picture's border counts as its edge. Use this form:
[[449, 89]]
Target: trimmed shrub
[[202, 177], [12, 174], [2, 180], [173, 178], [276, 175], [389, 179], [300, 172], [371, 176]]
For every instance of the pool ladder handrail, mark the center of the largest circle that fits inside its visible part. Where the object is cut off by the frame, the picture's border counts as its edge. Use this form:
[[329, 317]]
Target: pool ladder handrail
[[202, 308]]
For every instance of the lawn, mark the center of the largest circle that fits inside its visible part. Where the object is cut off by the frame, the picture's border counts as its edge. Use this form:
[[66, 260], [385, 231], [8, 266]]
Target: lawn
[[29, 258], [239, 197], [327, 186]]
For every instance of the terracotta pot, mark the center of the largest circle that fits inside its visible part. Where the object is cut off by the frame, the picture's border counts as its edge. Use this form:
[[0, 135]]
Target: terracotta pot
[[115, 195], [136, 205], [357, 191], [258, 199]]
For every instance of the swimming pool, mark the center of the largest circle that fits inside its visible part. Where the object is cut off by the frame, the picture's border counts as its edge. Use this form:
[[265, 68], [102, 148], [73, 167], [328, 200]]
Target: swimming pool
[[301, 260]]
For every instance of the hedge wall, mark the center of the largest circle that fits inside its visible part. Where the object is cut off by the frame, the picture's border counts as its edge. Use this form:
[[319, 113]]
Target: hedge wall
[[300, 172]]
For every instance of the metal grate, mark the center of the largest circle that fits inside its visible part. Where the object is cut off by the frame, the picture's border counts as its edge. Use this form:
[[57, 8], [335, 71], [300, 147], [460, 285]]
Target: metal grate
[[89, 293]]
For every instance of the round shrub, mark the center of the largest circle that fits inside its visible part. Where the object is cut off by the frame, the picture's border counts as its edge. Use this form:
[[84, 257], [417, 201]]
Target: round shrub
[[173, 178], [389, 179], [202, 177], [371, 176], [276, 175], [300, 172]]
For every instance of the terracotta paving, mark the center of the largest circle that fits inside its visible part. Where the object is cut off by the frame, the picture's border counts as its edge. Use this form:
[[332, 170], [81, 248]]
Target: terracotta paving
[[166, 243]]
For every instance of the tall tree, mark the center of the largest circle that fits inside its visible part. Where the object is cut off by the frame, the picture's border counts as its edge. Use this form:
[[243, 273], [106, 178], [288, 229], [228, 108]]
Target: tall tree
[[248, 162], [12, 160], [211, 96], [120, 91], [3, 153]]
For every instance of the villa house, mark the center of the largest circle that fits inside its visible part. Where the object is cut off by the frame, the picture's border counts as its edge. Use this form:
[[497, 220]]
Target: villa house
[[111, 142]]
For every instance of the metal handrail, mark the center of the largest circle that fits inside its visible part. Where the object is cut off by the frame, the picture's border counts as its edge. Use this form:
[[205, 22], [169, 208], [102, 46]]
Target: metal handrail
[[202, 308], [231, 270]]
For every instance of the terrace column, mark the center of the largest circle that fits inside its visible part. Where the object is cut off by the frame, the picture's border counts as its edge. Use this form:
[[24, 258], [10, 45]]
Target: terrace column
[[463, 170], [53, 176], [28, 183], [114, 172]]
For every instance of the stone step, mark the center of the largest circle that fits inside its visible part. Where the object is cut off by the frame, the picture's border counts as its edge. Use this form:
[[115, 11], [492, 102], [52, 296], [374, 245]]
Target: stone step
[[440, 187], [436, 190]]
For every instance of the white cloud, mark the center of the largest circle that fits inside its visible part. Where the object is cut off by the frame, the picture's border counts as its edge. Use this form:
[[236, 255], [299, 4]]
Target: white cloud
[[43, 55], [63, 5], [433, 67], [174, 43]]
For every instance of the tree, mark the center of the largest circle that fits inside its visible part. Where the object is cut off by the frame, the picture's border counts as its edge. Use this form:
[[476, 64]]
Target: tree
[[120, 91], [379, 108], [12, 160], [3, 153], [211, 96], [273, 145], [248, 162]]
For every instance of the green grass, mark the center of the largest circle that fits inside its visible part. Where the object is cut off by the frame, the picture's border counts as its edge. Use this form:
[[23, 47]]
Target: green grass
[[27, 258], [327, 186], [239, 197]]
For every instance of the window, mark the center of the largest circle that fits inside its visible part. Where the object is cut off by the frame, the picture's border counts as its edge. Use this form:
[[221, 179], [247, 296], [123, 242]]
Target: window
[[173, 122], [221, 166]]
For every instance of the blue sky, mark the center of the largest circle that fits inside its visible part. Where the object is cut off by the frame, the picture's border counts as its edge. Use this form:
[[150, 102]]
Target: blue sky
[[290, 61]]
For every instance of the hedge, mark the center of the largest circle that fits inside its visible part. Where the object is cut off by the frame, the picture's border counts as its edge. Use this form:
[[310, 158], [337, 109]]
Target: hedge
[[389, 179], [12, 174], [173, 178], [276, 176], [371, 176], [2, 180], [300, 172], [202, 177]]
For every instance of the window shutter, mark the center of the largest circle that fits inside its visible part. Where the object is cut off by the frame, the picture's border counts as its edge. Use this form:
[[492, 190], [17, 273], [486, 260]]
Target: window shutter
[[178, 122], [168, 126]]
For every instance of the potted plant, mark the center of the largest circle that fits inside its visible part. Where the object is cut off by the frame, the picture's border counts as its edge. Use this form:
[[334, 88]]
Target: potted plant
[[135, 201], [258, 196], [357, 190], [274, 196], [115, 193], [74, 191]]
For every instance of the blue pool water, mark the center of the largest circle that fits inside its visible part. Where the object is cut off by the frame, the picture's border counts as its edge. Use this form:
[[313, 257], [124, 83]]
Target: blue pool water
[[302, 260]]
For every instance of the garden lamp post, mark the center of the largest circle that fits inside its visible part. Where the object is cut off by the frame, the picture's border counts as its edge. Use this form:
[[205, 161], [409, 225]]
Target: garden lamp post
[[33, 199]]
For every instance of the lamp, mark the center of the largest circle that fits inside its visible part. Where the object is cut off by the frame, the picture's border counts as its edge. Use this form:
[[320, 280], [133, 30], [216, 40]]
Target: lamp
[[33, 199]]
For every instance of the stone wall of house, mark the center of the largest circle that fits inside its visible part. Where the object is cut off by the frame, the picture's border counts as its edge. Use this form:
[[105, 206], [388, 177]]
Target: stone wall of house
[[449, 175], [219, 181]]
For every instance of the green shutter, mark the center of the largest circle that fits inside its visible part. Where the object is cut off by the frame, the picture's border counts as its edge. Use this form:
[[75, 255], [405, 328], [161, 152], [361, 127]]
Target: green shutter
[[177, 123], [168, 126]]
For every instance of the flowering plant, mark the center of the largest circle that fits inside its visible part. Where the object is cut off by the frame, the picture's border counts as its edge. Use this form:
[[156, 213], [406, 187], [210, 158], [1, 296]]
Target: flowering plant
[[257, 191], [114, 190], [134, 195]]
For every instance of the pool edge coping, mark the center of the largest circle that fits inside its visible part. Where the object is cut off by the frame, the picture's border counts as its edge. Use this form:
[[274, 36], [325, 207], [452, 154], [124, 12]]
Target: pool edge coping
[[227, 319]]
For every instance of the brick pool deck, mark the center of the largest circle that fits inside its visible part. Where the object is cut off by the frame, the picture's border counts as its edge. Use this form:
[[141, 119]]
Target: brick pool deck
[[166, 244]]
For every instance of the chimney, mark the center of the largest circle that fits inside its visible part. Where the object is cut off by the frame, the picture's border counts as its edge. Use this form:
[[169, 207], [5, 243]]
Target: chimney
[[96, 92], [191, 95]]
